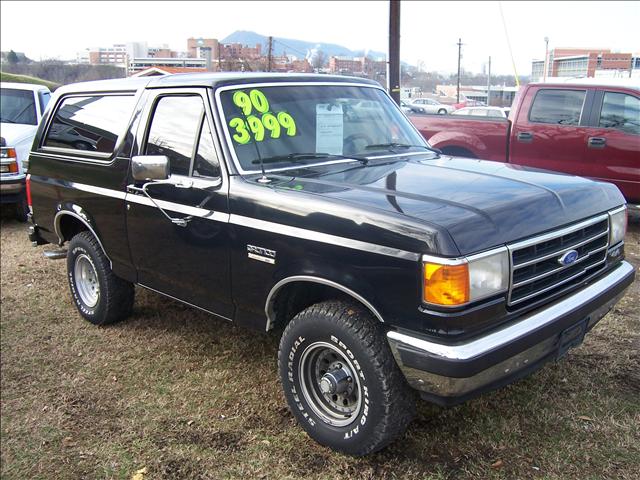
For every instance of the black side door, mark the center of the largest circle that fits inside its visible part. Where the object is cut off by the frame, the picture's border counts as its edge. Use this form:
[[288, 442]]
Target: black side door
[[179, 233]]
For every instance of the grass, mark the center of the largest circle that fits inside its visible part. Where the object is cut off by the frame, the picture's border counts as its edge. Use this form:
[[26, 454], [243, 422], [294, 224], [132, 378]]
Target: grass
[[189, 396], [12, 77]]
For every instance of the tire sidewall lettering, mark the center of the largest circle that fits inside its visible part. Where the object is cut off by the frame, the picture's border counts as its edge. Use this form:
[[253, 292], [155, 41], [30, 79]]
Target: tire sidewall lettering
[[348, 432]]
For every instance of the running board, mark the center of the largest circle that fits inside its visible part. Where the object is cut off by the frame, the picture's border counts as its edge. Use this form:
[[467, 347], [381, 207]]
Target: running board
[[56, 254]]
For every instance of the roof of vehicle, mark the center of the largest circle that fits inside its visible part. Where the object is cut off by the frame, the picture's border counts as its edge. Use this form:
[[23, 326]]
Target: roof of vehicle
[[34, 87], [207, 80], [633, 83]]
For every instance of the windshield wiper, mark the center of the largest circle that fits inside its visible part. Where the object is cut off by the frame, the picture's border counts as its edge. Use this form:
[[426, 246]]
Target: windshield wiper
[[392, 145], [297, 157]]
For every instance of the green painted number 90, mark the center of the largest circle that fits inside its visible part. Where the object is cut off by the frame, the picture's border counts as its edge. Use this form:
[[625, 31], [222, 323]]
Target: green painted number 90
[[256, 99]]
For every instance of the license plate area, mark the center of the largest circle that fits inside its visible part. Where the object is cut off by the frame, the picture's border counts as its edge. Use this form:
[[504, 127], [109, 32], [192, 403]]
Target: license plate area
[[572, 337]]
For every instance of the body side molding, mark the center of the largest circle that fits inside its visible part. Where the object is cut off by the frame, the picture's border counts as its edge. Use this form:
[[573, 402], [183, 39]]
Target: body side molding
[[56, 226], [268, 308]]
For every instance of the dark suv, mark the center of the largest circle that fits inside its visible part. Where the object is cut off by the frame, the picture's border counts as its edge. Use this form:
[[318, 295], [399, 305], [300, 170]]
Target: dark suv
[[309, 205]]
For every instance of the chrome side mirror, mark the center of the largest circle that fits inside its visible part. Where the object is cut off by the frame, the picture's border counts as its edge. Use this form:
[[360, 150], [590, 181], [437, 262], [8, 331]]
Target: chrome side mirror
[[150, 167]]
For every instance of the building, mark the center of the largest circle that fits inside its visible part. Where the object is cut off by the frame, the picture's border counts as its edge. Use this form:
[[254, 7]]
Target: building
[[578, 63], [157, 71], [501, 96], [139, 64], [235, 51], [359, 66], [114, 55], [196, 46]]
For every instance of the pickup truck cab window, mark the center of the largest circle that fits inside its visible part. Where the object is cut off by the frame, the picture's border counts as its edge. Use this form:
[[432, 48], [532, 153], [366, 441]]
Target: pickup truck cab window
[[311, 124], [558, 107], [89, 123], [174, 130], [620, 111], [18, 106]]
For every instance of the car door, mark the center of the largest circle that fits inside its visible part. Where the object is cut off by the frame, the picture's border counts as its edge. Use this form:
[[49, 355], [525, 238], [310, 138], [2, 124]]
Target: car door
[[613, 141], [178, 230], [550, 130]]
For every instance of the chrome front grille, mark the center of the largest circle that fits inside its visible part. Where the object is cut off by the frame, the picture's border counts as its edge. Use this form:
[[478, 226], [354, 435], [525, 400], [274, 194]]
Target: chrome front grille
[[535, 266]]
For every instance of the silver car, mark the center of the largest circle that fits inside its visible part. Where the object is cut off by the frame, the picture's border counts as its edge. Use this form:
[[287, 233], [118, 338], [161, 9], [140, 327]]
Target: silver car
[[428, 105]]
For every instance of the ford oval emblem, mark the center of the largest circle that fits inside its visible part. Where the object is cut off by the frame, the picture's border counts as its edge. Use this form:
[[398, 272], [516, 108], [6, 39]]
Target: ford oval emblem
[[568, 258]]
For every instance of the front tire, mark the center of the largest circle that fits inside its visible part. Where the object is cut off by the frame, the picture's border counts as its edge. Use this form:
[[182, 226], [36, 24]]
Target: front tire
[[442, 111], [100, 296], [341, 380]]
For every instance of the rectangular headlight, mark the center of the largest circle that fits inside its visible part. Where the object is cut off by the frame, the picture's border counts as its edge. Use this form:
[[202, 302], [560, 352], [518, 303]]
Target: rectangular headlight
[[617, 225], [455, 282]]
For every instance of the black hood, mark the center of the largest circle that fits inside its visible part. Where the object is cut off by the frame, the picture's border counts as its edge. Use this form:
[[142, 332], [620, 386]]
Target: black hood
[[480, 203]]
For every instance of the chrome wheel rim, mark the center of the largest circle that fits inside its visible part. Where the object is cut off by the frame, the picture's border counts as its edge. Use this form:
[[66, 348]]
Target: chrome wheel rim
[[330, 384], [86, 280]]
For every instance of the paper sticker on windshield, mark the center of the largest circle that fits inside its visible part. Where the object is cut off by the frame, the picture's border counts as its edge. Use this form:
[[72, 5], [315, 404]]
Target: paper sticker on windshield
[[329, 128], [257, 121]]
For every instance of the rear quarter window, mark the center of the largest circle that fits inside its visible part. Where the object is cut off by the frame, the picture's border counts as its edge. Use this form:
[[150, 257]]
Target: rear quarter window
[[90, 123], [558, 107]]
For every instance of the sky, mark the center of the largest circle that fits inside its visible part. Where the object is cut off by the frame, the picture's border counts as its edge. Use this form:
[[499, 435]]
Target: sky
[[429, 30]]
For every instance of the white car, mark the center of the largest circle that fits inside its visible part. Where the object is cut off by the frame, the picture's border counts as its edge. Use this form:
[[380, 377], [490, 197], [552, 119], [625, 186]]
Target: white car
[[428, 105], [21, 108], [493, 112]]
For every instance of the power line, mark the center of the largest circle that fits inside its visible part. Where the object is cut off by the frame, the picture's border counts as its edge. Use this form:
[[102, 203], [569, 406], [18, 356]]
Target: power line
[[289, 47]]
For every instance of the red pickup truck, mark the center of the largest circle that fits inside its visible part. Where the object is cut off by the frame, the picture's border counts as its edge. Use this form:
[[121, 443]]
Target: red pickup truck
[[582, 128]]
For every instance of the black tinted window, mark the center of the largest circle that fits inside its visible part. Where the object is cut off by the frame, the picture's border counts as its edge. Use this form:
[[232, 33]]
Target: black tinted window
[[206, 162], [174, 129], [90, 123], [17, 106], [562, 107], [620, 111]]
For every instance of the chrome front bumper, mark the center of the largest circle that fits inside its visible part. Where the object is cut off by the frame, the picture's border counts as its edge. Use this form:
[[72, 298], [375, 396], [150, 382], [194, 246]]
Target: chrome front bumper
[[450, 374]]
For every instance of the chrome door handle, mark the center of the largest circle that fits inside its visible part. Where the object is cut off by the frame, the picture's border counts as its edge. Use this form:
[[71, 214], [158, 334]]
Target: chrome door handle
[[525, 137], [597, 142]]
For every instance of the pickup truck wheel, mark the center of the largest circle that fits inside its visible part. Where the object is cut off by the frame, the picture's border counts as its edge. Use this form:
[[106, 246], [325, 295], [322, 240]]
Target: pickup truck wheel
[[341, 380], [100, 296]]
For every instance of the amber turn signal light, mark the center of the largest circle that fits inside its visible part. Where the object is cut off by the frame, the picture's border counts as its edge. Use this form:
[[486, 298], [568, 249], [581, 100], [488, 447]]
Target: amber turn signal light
[[446, 284]]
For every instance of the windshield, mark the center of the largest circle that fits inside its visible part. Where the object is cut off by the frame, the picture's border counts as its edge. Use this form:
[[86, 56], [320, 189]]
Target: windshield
[[292, 125], [18, 106]]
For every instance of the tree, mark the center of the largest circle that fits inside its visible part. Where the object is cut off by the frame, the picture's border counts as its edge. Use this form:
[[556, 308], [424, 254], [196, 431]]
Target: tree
[[317, 59], [12, 58]]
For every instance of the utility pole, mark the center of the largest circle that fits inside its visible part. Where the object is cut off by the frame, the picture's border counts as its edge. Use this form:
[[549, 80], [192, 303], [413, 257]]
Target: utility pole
[[459, 57], [218, 53], [269, 54], [546, 58], [489, 84], [393, 76]]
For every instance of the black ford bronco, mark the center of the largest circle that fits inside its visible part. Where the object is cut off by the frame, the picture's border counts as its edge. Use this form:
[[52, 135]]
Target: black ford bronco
[[309, 205]]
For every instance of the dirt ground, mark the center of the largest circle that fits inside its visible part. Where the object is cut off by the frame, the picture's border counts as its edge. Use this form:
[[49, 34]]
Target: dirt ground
[[183, 395]]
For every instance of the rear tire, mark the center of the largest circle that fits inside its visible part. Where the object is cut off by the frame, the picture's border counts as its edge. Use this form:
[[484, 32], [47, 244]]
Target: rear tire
[[100, 296], [370, 406]]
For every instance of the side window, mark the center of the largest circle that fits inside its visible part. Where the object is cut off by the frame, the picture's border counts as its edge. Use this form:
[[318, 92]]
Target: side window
[[560, 107], [44, 98], [174, 130], [90, 123], [206, 163], [620, 111]]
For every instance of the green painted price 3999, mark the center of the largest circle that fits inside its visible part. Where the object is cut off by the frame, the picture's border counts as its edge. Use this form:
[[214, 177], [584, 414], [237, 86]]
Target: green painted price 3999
[[261, 122]]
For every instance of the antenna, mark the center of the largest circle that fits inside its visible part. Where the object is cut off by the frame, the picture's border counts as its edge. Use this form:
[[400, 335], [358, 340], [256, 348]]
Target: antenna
[[263, 178]]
